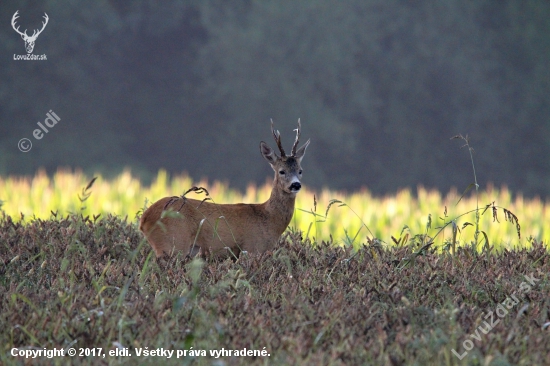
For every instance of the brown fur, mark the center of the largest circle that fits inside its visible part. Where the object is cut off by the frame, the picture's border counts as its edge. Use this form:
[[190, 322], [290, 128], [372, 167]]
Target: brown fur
[[227, 228]]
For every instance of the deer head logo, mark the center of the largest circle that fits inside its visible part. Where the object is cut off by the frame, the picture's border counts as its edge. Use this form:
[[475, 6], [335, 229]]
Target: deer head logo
[[29, 41]]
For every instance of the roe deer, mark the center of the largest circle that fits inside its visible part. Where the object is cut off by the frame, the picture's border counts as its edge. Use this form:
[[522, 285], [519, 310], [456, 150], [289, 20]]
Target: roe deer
[[194, 226]]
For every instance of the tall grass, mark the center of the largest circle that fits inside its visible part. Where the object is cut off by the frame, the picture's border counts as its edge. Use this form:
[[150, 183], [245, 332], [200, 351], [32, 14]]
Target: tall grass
[[404, 212]]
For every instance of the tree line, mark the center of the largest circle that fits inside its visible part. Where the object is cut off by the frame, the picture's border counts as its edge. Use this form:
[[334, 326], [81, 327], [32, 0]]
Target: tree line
[[380, 87]]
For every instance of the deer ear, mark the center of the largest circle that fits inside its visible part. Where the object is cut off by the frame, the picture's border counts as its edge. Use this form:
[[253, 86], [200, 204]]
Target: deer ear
[[268, 153], [301, 151]]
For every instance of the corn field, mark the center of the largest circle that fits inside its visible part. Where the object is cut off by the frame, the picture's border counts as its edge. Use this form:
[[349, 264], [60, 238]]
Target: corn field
[[352, 218]]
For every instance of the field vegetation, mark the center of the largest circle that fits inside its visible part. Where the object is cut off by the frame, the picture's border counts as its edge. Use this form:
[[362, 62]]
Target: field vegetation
[[365, 284], [406, 212], [76, 282]]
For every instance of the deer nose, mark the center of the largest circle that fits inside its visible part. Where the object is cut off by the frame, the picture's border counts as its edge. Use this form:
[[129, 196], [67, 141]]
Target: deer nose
[[295, 186]]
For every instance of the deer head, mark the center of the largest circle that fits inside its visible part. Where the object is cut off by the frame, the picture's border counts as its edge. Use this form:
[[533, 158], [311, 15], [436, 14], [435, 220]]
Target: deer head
[[29, 40], [288, 171]]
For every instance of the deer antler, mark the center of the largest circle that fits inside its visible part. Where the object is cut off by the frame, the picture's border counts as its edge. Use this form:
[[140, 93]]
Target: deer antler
[[43, 26], [34, 34], [297, 138], [277, 137], [13, 19]]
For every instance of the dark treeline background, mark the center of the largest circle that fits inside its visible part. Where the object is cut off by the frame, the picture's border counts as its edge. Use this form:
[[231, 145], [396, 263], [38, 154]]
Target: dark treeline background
[[380, 87]]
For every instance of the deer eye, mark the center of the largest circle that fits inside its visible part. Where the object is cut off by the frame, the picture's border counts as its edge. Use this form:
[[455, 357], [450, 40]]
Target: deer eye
[[300, 172], [282, 172]]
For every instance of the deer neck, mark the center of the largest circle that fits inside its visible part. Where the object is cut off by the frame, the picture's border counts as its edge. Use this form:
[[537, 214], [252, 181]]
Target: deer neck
[[280, 205]]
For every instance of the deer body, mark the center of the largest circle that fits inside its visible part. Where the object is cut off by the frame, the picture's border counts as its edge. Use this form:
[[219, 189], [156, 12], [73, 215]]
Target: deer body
[[193, 226]]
